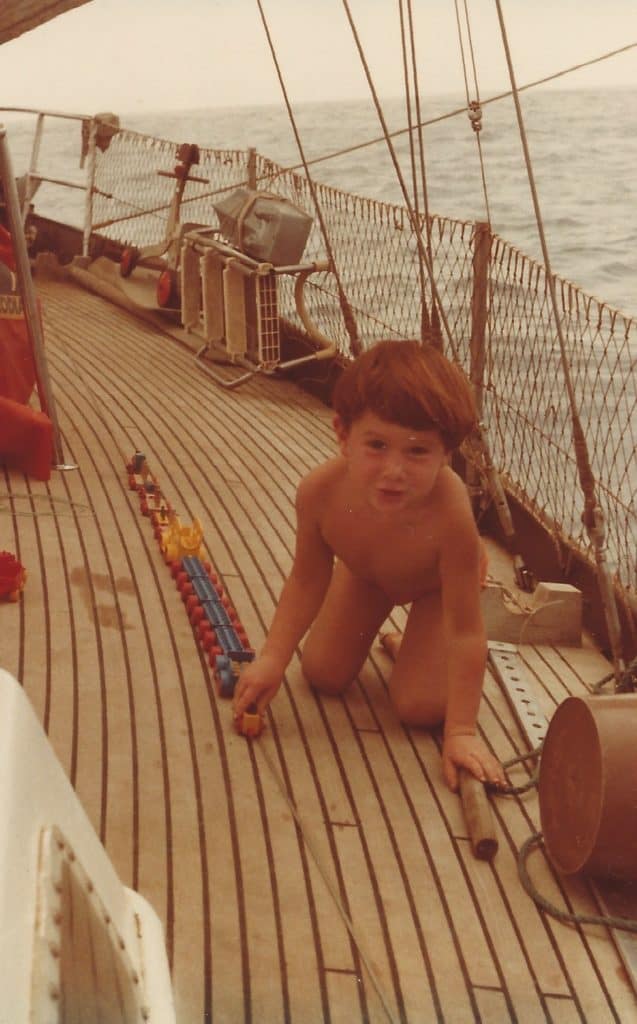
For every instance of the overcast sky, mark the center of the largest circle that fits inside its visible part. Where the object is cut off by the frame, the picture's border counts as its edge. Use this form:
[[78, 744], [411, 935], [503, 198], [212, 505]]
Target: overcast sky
[[145, 55]]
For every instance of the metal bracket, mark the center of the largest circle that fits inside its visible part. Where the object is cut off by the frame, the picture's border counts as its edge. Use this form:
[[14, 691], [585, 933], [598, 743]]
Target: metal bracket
[[510, 672]]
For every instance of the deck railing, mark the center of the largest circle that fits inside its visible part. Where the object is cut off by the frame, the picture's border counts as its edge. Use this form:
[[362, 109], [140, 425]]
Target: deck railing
[[512, 356]]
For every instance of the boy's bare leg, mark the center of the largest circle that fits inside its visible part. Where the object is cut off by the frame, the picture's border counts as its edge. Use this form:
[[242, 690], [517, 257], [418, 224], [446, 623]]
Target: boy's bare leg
[[418, 683], [339, 641]]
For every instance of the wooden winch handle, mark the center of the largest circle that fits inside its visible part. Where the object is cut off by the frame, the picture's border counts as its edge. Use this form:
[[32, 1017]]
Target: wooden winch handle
[[475, 802], [478, 816]]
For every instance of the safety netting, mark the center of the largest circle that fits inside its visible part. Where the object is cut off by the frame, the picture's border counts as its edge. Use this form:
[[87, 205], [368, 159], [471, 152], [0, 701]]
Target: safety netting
[[376, 252]]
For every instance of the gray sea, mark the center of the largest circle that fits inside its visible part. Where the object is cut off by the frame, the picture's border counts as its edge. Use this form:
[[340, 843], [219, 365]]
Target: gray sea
[[583, 148]]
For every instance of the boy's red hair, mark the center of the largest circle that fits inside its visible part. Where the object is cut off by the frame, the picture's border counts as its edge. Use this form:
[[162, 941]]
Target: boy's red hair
[[411, 384]]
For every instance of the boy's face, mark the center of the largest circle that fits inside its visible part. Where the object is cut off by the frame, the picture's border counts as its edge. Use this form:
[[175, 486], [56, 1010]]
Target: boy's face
[[394, 467]]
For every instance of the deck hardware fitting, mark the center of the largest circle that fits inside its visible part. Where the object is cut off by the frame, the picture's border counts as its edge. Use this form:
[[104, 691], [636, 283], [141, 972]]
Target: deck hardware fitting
[[510, 673], [553, 615]]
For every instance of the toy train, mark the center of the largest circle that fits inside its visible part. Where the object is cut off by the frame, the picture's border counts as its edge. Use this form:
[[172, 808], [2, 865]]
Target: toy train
[[213, 618]]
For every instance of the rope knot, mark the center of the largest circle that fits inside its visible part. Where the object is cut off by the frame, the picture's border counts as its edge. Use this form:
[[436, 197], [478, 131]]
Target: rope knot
[[475, 115], [594, 521]]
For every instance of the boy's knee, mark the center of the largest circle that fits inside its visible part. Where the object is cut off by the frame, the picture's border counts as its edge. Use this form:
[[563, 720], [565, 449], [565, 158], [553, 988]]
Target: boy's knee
[[414, 710], [322, 677], [328, 687]]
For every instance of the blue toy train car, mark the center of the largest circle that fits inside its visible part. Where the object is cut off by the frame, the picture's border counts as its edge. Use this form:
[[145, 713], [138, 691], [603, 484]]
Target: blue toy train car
[[217, 622]]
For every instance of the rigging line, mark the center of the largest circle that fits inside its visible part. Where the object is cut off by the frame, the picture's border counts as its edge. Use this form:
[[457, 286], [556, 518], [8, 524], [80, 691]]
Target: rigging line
[[479, 434], [462, 110], [471, 50], [348, 316], [392, 152], [425, 325], [476, 122], [593, 517], [421, 156], [414, 75], [324, 875], [419, 125], [392, 135]]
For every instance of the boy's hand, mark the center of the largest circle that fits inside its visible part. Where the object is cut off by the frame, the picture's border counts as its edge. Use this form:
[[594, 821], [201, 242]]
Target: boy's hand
[[468, 751], [258, 684]]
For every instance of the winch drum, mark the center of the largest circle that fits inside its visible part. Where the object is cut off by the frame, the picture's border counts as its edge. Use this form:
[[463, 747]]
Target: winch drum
[[588, 786]]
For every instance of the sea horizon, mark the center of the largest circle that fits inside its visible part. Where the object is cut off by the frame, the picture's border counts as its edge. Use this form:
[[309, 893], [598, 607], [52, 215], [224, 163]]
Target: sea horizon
[[583, 145]]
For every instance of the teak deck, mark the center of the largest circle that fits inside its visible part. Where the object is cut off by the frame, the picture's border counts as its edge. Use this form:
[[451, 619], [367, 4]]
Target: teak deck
[[322, 872]]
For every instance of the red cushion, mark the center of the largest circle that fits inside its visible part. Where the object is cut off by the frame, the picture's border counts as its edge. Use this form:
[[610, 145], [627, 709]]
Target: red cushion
[[17, 370], [26, 439]]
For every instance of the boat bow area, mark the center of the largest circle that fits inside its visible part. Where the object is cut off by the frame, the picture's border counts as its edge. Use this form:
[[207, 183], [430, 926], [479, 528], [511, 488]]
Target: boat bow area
[[322, 872]]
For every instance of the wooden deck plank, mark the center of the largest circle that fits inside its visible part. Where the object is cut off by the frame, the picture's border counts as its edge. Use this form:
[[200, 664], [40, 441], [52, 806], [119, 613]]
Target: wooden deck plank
[[194, 815], [440, 846], [418, 935], [518, 969], [308, 917], [427, 897], [284, 865], [370, 927], [492, 1006], [564, 1010]]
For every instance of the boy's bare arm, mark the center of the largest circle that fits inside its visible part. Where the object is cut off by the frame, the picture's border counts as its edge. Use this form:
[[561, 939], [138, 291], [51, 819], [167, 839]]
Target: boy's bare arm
[[298, 605], [465, 636], [466, 651]]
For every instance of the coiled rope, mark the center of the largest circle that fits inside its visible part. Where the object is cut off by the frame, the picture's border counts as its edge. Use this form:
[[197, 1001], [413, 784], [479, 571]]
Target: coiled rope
[[609, 921], [533, 842]]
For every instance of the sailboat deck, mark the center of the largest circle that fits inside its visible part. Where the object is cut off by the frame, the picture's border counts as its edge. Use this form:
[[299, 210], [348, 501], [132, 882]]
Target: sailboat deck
[[322, 872]]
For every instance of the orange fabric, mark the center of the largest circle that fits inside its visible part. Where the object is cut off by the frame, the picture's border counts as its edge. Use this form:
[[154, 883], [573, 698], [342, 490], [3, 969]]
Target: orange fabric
[[26, 439]]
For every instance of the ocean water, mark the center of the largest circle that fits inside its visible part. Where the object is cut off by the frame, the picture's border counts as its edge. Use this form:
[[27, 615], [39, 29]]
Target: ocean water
[[583, 148]]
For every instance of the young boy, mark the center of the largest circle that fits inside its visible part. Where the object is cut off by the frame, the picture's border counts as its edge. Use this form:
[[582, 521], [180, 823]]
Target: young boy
[[388, 522]]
